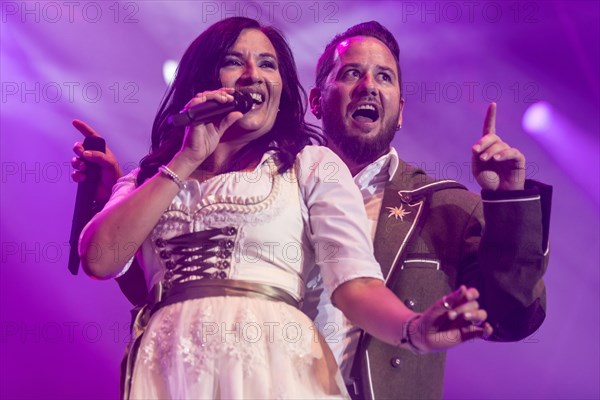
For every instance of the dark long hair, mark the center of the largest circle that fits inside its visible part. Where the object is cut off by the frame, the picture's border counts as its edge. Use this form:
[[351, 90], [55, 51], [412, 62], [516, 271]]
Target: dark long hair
[[198, 71]]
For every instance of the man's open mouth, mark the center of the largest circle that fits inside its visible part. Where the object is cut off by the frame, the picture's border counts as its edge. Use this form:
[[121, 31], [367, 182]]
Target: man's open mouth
[[366, 113]]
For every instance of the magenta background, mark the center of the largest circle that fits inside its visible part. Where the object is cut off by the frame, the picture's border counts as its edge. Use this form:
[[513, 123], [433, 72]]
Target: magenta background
[[63, 336]]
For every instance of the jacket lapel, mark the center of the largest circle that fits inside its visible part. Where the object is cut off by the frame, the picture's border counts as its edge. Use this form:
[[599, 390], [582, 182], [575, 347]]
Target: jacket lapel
[[398, 217]]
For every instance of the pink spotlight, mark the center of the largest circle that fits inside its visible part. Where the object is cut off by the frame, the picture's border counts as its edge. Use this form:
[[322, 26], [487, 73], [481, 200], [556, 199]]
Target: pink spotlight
[[537, 119]]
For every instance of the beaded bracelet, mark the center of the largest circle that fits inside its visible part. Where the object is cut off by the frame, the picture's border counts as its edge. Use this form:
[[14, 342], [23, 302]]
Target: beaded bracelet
[[406, 335], [163, 169]]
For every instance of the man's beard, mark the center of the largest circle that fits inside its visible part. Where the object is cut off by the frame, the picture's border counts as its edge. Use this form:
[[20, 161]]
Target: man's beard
[[359, 149]]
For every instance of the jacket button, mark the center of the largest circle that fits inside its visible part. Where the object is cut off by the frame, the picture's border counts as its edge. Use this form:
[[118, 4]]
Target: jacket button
[[396, 362], [410, 303]]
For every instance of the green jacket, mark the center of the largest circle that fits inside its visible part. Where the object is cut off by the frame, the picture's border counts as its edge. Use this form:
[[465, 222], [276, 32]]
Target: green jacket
[[441, 243]]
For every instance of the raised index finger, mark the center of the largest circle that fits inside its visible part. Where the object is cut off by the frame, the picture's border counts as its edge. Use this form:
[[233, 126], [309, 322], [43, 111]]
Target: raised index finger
[[489, 125], [84, 128]]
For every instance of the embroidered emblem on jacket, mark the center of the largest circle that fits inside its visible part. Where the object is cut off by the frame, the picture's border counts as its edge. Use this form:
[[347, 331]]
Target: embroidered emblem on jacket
[[398, 212]]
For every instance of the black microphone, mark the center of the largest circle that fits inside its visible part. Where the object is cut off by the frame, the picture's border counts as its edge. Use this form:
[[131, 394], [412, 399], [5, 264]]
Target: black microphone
[[211, 110], [84, 202]]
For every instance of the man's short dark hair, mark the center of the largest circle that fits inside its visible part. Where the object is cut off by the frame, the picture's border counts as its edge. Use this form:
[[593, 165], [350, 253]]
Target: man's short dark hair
[[371, 28]]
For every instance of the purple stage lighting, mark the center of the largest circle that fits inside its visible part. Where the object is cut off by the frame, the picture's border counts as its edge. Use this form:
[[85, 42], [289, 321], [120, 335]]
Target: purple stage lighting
[[538, 118]]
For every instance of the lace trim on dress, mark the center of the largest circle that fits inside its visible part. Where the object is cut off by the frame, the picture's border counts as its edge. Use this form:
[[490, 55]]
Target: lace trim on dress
[[220, 211], [247, 338]]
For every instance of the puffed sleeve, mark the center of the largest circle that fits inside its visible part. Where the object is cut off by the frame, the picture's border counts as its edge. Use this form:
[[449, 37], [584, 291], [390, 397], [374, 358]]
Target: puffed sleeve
[[125, 185], [337, 221]]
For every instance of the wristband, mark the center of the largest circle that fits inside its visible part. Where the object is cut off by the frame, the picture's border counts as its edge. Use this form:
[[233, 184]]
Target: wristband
[[406, 335]]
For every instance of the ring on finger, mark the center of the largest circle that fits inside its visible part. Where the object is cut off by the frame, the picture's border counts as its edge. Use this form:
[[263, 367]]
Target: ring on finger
[[445, 303]]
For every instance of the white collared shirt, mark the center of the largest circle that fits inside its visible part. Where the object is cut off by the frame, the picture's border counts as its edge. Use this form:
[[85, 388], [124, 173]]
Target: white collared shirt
[[339, 333], [371, 182]]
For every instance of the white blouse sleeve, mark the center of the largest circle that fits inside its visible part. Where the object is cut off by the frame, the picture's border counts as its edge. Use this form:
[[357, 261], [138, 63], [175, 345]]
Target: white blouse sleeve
[[125, 185], [337, 220]]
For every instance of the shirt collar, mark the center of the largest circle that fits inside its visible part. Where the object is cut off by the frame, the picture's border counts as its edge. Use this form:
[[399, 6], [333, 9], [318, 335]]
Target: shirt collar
[[386, 164]]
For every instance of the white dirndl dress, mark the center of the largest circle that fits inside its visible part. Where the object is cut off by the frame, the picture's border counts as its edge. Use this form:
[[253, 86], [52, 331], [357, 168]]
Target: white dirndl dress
[[225, 347]]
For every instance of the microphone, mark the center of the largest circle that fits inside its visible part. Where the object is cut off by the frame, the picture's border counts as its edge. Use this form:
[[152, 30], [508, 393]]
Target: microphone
[[211, 110], [84, 202]]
